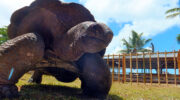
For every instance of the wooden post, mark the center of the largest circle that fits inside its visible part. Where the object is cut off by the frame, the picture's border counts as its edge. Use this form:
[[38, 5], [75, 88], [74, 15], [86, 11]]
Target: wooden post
[[150, 65], [131, 68], [174, 69], [119, 68], [158, 67], [137, 68], [144, 77], [113, 67], [108, 60], [178, 60], [166, 67], [124, 68]]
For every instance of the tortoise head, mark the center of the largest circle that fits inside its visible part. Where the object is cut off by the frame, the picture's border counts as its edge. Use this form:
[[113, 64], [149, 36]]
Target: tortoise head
[[91, 36]]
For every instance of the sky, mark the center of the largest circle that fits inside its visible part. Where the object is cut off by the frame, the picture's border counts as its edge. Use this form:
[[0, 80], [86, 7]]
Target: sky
[[123, 16]]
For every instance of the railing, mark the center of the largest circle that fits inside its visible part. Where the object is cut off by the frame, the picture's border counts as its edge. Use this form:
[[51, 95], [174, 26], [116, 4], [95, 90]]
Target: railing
[[160, 67]]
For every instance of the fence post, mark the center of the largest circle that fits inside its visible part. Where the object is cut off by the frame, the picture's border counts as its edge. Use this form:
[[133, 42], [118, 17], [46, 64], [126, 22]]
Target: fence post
[[124, 68], [150, 65], [158, 67], [131, 68], [166, 67], [144, 77], [113, 67], [175, 68], [178, 60], [119, 68], [108, 60], [137, 68]]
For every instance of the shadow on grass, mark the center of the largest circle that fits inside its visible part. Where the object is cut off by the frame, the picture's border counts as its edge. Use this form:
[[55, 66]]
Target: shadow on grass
[[114, 97], [55, 92]]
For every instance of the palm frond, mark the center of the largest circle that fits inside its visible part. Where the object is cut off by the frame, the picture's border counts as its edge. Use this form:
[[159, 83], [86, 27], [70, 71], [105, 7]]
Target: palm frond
[[148, 40], [140, 35], [144, 50], [126, 43], [134, 38], [128, 46], [172, 10], [123, 51], [173, 15]]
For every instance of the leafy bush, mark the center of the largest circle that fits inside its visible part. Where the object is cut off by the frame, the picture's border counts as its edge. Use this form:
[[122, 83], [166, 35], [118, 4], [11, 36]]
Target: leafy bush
[[3, 34]]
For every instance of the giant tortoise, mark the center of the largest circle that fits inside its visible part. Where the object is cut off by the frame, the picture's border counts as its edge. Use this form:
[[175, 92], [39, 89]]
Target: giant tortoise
[[61, 39]]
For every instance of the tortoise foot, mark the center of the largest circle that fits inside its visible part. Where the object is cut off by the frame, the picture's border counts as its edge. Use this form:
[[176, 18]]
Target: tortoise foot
[[95, 77]]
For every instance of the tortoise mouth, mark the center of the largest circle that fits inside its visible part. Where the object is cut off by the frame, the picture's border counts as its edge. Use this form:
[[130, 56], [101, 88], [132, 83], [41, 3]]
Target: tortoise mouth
[[102, 38], [94, 44], [96, 39]]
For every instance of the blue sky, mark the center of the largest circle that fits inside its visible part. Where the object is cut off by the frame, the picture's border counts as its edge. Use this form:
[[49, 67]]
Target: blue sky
[[122, 16]]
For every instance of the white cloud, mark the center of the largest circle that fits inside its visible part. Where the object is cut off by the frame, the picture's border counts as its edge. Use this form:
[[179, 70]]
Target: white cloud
[[128, 10], [7, 7], [147, 16]]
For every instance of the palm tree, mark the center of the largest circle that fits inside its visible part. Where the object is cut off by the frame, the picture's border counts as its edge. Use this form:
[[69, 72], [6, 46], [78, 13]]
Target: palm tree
[[3, 34], [173, 12], [178, 38], [135, 43]]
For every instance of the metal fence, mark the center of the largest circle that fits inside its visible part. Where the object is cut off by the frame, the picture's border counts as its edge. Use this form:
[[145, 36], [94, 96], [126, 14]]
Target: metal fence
[[160, 67]]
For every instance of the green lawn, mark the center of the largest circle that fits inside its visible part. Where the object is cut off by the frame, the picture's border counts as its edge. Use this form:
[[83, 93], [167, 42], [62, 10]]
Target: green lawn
[[51, 89]]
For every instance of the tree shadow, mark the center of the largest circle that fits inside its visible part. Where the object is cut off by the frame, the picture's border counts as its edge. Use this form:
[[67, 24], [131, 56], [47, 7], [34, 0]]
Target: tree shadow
[[56, 92]]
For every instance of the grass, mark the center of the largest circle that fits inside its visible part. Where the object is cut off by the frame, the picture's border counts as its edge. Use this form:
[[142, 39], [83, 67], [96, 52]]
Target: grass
[[51, 89]]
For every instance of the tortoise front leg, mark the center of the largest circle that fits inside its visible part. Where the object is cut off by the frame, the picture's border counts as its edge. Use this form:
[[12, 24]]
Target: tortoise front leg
[[17, 56], [95, 75]]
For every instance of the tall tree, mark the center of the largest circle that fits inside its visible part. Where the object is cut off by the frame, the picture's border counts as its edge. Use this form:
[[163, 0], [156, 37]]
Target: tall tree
[[135, 43], [3, 34]]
